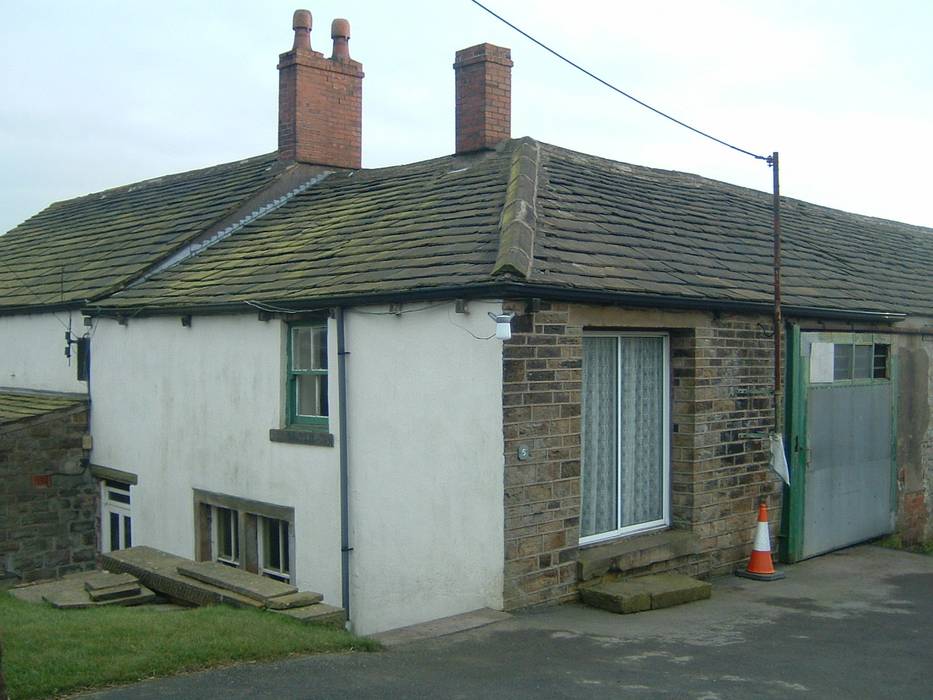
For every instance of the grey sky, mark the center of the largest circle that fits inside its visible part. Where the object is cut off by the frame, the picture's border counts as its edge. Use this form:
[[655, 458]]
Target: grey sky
[[103, 93]]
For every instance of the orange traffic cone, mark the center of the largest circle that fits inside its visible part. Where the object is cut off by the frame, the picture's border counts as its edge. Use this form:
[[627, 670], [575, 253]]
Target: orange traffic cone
[[760, 566]]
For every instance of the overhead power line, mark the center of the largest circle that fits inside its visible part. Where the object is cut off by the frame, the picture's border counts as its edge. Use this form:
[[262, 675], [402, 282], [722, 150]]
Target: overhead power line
[[616, 89]]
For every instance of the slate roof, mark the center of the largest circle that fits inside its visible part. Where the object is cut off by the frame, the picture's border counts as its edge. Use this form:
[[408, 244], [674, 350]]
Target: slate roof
[[428, 225], [15, 406], [537, 219], [80, 249]]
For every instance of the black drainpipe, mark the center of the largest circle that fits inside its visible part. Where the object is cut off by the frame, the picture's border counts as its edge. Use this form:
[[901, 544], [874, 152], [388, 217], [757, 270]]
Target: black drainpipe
[[345, 547]]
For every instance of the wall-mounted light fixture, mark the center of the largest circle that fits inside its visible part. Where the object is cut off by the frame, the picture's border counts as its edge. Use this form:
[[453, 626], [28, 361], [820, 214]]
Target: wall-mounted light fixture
[[503, 324]]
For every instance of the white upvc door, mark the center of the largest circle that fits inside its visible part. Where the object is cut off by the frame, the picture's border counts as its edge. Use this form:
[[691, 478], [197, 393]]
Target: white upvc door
[[625, 477]]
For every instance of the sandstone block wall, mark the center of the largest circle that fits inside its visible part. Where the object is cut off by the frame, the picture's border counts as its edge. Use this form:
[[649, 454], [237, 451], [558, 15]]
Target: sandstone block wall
[[48, 521], [721, 371]]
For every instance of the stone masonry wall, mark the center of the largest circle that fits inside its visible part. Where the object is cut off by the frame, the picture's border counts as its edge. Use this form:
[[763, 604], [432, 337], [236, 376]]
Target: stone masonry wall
[[48, 522], [541, 412], [721, 373], [720, 465]]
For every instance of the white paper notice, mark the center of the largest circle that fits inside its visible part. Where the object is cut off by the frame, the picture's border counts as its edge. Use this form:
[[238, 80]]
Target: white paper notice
[[821, 363]]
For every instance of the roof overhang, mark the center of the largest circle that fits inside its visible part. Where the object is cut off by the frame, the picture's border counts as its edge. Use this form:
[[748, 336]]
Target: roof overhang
[[500, 290]]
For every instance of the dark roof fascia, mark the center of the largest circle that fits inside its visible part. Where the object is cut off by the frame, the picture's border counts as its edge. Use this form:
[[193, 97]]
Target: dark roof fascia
[[42, 308], [505, 290], [721, 305]]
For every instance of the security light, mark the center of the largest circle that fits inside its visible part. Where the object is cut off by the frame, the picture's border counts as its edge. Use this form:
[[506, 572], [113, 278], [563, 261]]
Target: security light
[[503, 324]]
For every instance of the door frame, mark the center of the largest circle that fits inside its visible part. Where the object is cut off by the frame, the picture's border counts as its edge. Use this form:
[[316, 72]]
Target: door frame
[[665, 520], [792, 535]]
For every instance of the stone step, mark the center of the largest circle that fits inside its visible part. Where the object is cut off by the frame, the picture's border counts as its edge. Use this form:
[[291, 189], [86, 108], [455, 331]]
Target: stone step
[[293, 600], [76, 598], [317, 614], [635, 552], [159, 571], [99, 580], [163, 572], [114, 592], [253, 586], [630, 595]]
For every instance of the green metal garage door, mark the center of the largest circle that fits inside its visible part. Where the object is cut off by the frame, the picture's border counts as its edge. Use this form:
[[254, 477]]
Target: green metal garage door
[[842, 441]]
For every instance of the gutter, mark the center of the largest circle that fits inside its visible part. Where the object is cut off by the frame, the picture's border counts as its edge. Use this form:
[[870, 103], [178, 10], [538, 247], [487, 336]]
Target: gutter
[[513, 290], [342, 421]]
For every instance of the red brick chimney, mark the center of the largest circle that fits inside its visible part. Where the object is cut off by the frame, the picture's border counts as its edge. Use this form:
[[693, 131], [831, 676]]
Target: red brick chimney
[[320, 99], [484, 97]]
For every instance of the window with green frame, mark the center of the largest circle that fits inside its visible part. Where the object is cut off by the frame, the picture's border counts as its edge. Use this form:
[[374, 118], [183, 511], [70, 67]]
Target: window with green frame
[[306, 378]]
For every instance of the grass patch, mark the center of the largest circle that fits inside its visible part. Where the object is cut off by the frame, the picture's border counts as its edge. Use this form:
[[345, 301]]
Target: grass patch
[[49, 652], [895, 542]]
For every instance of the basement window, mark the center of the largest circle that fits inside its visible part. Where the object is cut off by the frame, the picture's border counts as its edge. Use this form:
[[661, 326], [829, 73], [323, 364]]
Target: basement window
[[245, 534], [226, 535], [273, 548]]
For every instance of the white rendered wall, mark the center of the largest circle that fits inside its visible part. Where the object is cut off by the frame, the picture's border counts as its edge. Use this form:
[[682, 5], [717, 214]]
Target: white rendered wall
[[186, 408], [426, 465], [32, 352]]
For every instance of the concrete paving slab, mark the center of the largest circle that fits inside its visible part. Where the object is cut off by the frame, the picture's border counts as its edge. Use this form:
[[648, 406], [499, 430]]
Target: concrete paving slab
[[441, 627], [253, 586]]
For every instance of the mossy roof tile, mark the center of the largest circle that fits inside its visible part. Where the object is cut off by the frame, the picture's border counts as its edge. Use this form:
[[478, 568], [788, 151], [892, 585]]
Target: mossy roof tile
[[598, 226], [82, 248]]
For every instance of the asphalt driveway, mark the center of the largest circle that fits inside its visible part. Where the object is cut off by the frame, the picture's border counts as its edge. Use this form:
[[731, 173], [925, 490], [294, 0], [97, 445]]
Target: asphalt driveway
[[854, 624]]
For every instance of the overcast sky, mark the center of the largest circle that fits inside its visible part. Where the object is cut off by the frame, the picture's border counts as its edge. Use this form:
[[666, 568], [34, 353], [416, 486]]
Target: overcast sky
[[102, 93]]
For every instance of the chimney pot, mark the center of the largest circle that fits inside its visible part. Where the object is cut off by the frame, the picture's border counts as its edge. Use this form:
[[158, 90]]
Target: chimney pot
[[340, 33], [301, 23], [320, 100]]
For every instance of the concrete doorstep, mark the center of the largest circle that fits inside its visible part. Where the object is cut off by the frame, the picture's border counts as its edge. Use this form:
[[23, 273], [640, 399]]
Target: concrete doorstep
[[631, 595]]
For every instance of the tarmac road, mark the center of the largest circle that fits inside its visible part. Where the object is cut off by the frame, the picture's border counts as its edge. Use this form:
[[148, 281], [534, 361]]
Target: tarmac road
[[853, 624]]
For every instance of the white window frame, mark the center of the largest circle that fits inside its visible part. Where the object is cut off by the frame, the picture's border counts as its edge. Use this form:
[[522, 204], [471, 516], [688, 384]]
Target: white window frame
[[665, 520], [285, 547], [123, 510]]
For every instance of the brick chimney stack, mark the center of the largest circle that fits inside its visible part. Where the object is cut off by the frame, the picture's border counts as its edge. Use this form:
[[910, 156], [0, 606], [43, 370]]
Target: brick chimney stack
[[320, 99], [484, 97]]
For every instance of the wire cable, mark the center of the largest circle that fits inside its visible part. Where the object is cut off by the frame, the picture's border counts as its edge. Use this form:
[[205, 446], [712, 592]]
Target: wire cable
[[25, 286], [609, 85]]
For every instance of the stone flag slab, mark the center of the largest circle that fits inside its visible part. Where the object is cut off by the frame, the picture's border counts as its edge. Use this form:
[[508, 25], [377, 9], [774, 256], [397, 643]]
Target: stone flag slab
[[253, 586], [100, 580], [114, 592], [293, 600]]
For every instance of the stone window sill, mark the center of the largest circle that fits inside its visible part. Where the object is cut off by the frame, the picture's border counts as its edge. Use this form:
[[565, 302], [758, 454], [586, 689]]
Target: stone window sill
[[294, 436]]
